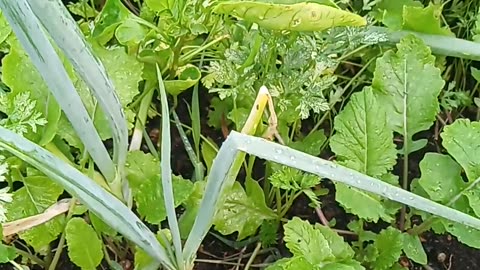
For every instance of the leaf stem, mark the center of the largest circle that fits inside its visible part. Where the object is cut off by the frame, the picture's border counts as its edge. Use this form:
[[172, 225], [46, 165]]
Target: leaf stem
[[189, 149], [137, 136], [253, 256], [29, 256], [61, 242], [404, 186]]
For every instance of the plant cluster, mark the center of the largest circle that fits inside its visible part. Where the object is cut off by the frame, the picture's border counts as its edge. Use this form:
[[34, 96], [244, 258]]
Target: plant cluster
[[380, 88]]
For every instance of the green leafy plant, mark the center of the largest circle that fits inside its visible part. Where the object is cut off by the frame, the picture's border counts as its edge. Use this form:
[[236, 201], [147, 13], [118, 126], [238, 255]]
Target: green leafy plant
[[69, 87]]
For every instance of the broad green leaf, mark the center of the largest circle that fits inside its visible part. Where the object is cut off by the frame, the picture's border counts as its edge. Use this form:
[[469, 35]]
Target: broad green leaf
[[413, 249], [440, 177], [84, 247], [303, 240], [125, 72], [441, 181], [364, 205], [294, 17], [130, 32], [341, 250], [242, 212], [37, 194], [424, 20], [6, 253], [143, 174], [464, 234], [390, 13], [5, 29], [362, 143], [388, 247], [405, 81], [462, 141], [186, 77], [411, 15], [112, 15]]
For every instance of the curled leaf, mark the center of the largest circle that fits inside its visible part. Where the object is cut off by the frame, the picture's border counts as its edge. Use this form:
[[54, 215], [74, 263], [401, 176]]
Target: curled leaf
[[295, 17], [187, 77]]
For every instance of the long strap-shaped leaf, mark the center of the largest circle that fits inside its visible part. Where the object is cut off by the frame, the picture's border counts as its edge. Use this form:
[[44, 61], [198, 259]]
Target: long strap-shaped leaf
[[271, 151], [106, 206], [43, 55], [64, 30], [442, 45]]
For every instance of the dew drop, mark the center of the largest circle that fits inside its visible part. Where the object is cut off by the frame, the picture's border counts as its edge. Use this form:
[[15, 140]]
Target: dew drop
[[333, 165], [278, 151]]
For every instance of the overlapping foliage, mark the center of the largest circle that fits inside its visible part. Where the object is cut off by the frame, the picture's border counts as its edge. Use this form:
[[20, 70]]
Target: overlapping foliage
[[335, 86]]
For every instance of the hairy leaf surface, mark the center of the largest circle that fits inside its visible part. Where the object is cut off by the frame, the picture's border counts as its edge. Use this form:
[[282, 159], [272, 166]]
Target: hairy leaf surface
[[143, 174], [315, 247], [242, 211], [405, 81], [361, 142], [388, 248]]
